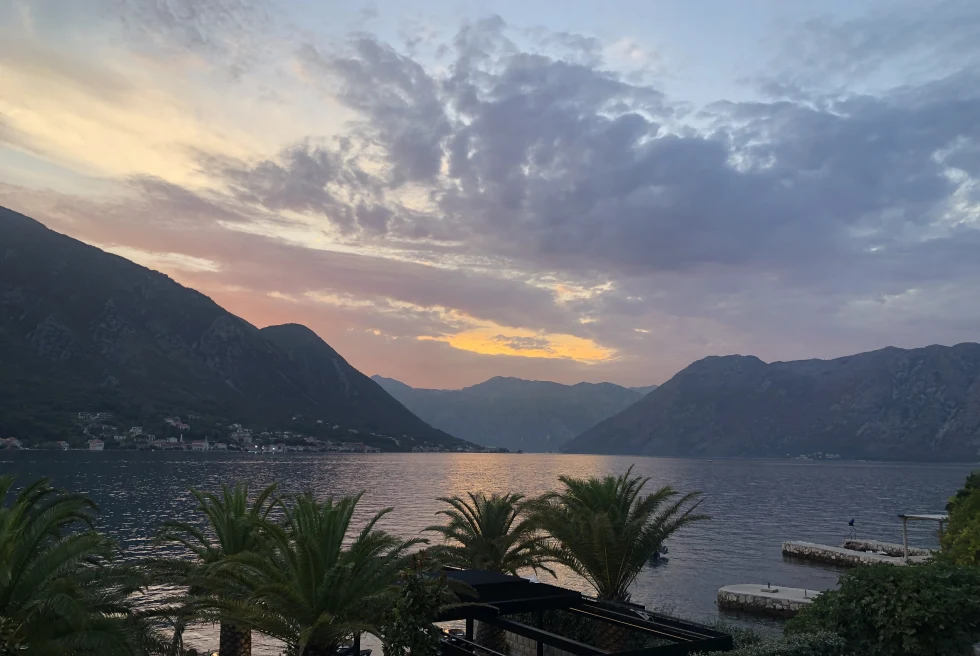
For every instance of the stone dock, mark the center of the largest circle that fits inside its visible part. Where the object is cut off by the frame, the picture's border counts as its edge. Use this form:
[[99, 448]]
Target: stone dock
[[823, 553], [758, 598], [886, 548]]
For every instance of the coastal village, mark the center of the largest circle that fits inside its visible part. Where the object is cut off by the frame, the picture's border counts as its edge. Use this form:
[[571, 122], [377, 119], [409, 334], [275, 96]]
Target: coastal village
[[102, 431]]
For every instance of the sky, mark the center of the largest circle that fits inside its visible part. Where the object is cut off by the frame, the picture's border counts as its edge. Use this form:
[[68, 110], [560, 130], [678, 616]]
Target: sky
[[451, 190]]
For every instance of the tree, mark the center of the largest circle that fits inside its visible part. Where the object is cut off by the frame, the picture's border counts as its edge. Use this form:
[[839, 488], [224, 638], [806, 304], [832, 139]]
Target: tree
[[961, 542], [60, 592], [488, 532], [928, 609], [606, 531], [317, 586], [971, 485], [419, 596], [234, 526], [491, 533]]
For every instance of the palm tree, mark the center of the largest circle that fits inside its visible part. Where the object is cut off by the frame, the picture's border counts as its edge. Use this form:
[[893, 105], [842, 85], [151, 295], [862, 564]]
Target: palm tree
[[234, 526], [606, 531], [316, 587], [488, 532], [491, 533], [59, 591]]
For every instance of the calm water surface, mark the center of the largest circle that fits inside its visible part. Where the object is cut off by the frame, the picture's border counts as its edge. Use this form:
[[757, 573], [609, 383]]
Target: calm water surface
[[754, 505]]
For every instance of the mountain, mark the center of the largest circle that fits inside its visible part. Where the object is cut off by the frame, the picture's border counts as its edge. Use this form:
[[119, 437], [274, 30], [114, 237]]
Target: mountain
[[83, 330], [891, 404], [643, 391], [513, 413]]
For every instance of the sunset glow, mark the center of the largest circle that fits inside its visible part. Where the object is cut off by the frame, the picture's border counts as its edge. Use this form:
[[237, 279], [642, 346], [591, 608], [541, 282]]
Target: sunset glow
[[446, 195]]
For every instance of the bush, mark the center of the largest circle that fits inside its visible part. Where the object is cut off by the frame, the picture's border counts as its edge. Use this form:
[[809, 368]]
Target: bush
[[885, 610], [419, 597], [815, 644], [742, 636], [972, 484], [961, 543]]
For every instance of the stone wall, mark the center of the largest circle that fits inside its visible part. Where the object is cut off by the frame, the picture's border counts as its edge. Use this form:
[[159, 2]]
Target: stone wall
[[840, 556], [761, 603], [888, 548]]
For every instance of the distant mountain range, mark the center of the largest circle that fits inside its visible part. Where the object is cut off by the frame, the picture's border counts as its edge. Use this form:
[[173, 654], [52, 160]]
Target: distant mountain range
[[513, 413], [83, 330], [891, 404]]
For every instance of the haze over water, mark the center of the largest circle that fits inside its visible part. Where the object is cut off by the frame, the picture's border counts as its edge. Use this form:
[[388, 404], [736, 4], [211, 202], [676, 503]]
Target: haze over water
[[754, 505]]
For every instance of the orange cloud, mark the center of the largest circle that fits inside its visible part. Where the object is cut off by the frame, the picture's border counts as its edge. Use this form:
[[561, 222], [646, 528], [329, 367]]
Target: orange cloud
[[501, 340]]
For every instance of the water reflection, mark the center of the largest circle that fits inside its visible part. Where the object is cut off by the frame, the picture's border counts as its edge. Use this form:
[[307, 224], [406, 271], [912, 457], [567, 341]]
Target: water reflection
[[754, 505]]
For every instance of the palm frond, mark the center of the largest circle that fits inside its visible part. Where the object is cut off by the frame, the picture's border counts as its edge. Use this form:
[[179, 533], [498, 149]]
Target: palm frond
[[316, 582], [605, 529], [60, 592], [489, 532]]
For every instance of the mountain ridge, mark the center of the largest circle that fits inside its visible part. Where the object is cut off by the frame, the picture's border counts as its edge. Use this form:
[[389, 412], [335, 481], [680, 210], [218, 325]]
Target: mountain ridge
[[887, 404], [81, 329], [514, 413]]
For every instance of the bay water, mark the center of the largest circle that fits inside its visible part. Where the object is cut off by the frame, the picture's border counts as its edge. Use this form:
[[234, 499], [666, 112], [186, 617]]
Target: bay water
[[754, 505]]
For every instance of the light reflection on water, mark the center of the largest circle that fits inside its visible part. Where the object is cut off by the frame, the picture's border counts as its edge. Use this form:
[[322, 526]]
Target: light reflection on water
[[754, 505]]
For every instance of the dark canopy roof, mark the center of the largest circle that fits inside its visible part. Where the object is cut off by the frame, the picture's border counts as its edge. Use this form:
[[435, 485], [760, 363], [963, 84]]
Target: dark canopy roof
[[506, 594]]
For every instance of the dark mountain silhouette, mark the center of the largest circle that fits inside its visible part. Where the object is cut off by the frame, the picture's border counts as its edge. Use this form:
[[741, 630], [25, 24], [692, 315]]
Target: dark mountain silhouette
[[84, 330], [891, 404], [514, 413]]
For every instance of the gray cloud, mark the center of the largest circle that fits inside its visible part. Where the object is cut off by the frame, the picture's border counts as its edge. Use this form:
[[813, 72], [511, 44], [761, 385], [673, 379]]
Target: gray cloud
[[569, 166], [232, 35], [892, 39], [399, 99], [522, 343], [817, 221], [832, 200], [304, 179]]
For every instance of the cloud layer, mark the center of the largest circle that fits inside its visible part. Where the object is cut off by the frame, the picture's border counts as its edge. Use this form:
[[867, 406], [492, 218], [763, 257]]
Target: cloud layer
[[519, 202]]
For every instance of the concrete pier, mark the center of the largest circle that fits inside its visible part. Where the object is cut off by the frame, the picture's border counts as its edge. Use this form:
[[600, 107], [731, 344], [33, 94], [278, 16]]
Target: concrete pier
[[758, 598], [823, 553], [886, 548]]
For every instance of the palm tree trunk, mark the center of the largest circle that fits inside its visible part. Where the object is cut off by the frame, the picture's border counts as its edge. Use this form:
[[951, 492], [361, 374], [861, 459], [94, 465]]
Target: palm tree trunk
[[234, 641], [492, 637], [612, 637]]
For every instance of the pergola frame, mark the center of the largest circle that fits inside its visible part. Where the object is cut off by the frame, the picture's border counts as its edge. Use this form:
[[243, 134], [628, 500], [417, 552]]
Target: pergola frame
[[942, 519]]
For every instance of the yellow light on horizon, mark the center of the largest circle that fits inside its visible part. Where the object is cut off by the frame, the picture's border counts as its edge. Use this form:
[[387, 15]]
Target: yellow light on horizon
[[500, 340]]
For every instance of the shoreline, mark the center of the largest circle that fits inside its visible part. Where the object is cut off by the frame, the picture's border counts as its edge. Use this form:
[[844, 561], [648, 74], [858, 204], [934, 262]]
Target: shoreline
[[703, 459]]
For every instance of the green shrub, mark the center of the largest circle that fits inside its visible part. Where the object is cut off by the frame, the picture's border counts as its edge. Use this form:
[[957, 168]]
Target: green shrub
[[418, 599], [742, 636], [884, 610], [961, 543], [815, 644], [972, 484]]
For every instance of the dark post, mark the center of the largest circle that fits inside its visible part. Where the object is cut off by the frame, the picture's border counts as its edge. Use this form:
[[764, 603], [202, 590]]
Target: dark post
[[357, 644], [539, 618], [469, 629]]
